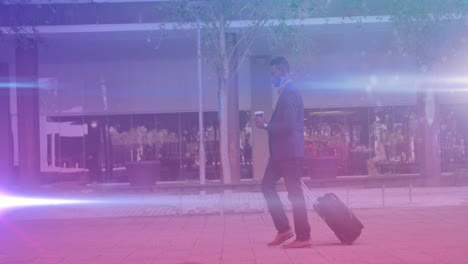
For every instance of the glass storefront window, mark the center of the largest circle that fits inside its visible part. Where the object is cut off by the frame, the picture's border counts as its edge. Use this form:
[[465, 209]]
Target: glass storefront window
[[121, 146], [144, 137], [99, 148], [169, 151], [245, 125], [213, 158], [189, 146], [72, 142], [326, 143], [338, 142], [63, 148], [357, 138], [360, 141], [454, 137], [394, 138]]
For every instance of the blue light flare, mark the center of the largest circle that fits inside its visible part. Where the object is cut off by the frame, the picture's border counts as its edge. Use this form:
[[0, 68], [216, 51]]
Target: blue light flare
[[381, 83], [22, 85]]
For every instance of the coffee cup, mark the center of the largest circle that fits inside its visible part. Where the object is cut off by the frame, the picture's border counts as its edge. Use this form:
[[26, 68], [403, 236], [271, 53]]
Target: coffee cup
[[259, 114]]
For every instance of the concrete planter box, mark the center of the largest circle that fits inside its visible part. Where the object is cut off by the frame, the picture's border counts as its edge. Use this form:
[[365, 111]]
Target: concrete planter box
[[143, 173]]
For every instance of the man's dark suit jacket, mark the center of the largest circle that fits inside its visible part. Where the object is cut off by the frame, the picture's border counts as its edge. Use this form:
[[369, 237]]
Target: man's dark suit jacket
[[286, 127]]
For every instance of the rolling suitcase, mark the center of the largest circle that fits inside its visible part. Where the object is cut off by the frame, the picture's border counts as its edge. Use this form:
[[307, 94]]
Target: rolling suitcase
[[337, 215]]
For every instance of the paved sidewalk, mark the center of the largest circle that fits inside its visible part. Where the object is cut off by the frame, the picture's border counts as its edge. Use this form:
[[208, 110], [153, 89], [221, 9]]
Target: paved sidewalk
[[425, 235], [122, 204]]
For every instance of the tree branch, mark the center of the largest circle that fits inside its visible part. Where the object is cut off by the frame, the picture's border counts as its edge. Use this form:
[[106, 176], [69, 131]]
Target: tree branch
[[245, 52], [244, 37]]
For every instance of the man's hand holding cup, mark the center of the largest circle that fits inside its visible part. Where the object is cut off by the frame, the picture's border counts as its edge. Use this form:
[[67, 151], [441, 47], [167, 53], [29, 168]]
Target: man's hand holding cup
[[260, 119]]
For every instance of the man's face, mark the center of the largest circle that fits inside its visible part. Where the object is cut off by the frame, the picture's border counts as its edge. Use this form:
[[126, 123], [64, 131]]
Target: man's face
[[275, 76]]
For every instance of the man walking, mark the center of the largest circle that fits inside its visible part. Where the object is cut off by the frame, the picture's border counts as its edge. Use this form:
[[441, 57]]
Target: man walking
[[286, 145]]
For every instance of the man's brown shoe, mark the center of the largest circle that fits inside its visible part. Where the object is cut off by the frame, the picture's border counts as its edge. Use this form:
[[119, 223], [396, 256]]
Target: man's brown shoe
[[281, 238], [298, 244]]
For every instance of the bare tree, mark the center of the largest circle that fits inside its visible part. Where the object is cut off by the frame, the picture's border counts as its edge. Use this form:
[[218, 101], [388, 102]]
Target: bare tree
[[229, 29]]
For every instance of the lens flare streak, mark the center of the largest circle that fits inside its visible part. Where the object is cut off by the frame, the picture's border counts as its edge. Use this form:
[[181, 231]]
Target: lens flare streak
[[21, 85], [7, 201]]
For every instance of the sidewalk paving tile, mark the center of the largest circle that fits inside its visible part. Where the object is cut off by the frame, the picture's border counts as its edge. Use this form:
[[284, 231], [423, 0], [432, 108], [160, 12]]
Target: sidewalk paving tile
[[429, 233]]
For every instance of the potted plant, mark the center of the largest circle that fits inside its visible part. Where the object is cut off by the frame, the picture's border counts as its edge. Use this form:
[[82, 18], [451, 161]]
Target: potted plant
[[143, 169]]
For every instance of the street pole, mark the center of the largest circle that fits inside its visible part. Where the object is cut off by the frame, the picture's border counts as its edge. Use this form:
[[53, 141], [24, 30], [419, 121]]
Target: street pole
[[200, 109]]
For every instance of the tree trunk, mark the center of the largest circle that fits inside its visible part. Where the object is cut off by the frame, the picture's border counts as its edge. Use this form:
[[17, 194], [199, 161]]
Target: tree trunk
[[229, 138], [229, 110], [233, 115], [223, 138]]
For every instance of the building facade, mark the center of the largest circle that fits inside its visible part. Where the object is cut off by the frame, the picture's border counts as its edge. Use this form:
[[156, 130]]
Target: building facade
[[109, 93]]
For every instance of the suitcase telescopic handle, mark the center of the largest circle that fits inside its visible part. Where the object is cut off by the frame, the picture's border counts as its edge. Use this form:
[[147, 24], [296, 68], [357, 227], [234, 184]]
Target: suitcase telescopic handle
[[308, 192]]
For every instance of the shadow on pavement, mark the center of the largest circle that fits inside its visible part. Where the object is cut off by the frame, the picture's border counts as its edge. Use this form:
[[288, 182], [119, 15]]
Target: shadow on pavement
[[332, 244]]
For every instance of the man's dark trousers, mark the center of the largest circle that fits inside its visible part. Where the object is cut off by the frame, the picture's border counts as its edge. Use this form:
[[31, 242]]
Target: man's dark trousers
[[291, 171]]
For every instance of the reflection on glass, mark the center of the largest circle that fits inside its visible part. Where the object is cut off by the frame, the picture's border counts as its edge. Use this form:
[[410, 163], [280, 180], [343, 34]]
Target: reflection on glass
[[245, 125], [120, 146], [189, 146], [394, 139], [62, 145], [454, 137], [168, 141], [360, 141], [93, 148], [99, 148], [72, 142], [143, 137], [325, 142], [213, 164]]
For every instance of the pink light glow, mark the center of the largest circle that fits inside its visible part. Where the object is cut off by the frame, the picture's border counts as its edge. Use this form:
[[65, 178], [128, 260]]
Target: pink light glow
[[31, 243]]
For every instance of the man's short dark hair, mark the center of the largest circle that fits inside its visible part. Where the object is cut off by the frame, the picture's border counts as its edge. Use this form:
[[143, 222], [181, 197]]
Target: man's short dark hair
[[280, 63]]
